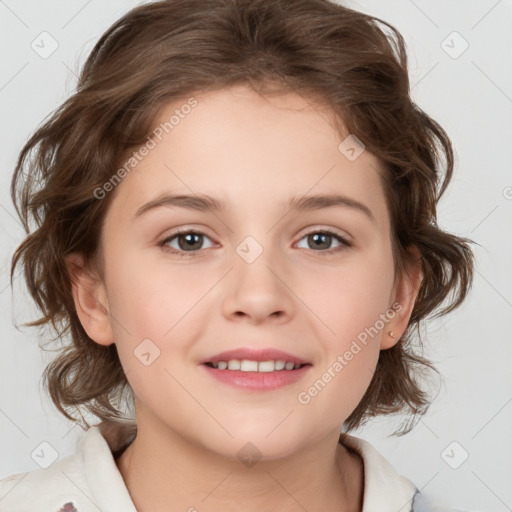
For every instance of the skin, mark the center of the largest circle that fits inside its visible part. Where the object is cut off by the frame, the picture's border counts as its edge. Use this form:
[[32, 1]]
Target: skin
[[254, 153]]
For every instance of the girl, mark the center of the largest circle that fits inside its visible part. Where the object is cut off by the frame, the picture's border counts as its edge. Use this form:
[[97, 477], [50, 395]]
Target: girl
[[236, 227]]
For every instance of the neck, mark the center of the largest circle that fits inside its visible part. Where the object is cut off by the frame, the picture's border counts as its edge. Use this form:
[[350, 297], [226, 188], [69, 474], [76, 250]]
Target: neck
[[160, 470]]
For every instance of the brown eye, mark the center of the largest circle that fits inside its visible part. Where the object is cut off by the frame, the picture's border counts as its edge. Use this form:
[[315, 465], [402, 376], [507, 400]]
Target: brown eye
[[190, 241], [187, 241], [321, 241]]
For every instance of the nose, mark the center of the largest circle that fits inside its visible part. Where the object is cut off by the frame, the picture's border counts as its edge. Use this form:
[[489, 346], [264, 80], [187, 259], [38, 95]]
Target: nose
[[259, 291]]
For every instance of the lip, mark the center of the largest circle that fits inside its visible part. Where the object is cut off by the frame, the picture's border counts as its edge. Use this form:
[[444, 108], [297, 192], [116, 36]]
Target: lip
[[257, 381], [265, 354]]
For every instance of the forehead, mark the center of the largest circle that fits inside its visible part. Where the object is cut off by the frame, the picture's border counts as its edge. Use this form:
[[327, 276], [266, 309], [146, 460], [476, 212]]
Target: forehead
[[249, 151]]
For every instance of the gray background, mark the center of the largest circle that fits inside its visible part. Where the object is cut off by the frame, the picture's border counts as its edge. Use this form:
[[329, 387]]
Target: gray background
[[469, 93]]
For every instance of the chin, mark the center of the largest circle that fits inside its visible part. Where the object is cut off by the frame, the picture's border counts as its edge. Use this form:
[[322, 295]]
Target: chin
[[253, 443]]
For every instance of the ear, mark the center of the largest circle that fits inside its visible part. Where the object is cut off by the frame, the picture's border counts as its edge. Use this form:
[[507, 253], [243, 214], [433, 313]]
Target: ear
[[91, 301], [403, 298]]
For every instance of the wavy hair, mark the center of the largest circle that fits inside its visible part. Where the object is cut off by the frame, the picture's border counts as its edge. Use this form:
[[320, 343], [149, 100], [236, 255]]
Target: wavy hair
[[158, 52]]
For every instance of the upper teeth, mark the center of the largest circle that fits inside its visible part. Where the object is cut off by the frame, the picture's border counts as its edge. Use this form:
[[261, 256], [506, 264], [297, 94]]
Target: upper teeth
[[246, 365]]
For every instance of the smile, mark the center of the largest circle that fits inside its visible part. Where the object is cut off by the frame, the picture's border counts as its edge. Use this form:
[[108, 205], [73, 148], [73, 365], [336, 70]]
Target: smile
[[246, 365], [256, 375]]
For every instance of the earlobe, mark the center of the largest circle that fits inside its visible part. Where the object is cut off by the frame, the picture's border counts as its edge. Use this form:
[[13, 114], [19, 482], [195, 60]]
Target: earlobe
[[403, 299], [90, 298]]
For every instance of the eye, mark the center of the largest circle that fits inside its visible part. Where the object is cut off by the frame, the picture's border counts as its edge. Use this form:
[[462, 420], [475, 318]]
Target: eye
[[322, 239], [188, 242]]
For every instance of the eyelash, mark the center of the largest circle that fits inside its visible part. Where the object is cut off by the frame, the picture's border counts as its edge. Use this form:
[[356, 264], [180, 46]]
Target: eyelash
[[345, 244]]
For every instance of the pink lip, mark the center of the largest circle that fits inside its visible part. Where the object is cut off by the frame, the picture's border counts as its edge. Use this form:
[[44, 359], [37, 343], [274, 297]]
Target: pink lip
[[268, 354], [257, 381]]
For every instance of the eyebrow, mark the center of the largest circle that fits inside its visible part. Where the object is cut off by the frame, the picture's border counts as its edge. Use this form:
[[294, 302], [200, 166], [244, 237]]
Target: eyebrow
[[203, 202]]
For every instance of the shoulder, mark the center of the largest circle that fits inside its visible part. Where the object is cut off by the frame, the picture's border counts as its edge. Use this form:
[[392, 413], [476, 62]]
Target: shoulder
[[387, 491], [384, 489], [48, 489], [86, 481]]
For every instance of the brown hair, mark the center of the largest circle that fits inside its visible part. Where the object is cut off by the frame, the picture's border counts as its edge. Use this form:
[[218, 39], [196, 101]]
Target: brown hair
[[353, 63]]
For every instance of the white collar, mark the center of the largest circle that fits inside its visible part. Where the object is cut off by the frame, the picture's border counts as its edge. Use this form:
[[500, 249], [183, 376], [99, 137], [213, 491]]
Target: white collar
[[101, 471], [384, 489]]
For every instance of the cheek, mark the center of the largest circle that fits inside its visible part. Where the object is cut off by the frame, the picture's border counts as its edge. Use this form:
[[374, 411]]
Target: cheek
[[352, 296], [156, 323], [151, 296], [351, 300]]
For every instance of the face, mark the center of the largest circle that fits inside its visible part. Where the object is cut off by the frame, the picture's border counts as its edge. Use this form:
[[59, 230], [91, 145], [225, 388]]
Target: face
[[256, 273]]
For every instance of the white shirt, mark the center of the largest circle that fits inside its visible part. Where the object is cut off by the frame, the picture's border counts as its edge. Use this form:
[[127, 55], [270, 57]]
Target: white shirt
[[89, 480]]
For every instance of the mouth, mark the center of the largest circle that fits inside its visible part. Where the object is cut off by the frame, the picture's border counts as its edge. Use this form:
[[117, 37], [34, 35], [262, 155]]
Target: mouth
[[247, 365], [251, 359], [257, 374]]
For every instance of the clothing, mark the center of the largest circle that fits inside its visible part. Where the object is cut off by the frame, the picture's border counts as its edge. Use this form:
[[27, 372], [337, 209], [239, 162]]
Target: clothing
[[89, 480]]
